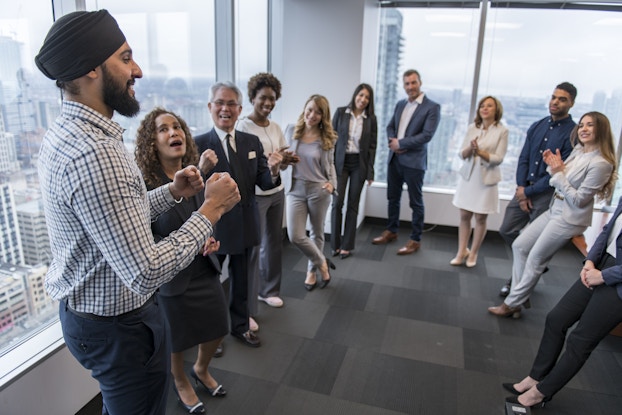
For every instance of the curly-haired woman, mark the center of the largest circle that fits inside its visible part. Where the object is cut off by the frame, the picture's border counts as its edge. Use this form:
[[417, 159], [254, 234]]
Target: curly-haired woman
[[194, 301]]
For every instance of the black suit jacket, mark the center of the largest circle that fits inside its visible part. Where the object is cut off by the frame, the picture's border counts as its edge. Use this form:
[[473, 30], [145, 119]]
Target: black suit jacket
[[367, 143], [172, 220], [238, 229]]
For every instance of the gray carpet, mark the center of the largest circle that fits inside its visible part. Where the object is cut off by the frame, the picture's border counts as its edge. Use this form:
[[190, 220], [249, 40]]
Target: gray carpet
[[403, 335]]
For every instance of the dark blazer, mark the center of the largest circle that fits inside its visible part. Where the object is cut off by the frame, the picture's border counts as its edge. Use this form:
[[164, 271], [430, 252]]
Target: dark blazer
[[611, 275], [172, 220], [419, 132], [367, 144], [238, 229]]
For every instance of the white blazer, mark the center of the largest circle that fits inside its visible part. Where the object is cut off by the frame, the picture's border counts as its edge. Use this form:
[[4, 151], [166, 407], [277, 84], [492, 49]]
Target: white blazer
[[495, 142]]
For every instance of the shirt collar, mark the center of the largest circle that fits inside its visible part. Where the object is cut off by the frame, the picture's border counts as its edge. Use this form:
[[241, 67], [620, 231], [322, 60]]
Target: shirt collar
[[418, 100], [568, 119], [223, 134], [349, 111], [73, 109]]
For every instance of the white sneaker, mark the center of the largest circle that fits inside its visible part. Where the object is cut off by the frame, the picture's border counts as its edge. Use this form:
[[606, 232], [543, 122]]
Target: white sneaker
[[271, 301], [252, 325]]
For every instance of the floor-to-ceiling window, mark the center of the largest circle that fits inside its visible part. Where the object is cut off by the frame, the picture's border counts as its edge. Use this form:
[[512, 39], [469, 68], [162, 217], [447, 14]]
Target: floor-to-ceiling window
[[525, 53], [174, 43]]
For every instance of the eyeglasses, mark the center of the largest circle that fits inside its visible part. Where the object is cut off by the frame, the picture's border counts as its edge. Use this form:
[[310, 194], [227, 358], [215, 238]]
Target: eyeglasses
[[229, 104]]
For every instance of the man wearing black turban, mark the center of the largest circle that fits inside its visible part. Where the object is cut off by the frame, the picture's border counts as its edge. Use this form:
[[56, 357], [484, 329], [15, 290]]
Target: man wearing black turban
[[106, 267]]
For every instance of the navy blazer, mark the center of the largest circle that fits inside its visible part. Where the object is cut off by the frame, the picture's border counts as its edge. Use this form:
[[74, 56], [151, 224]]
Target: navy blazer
[[419, 132], [611, 275], [367, 143], [238, 229]]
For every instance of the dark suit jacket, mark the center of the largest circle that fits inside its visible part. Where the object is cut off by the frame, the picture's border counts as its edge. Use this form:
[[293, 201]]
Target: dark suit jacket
[[611, 275], [238, 229], [367, 144], [419, 132], [170, 221]]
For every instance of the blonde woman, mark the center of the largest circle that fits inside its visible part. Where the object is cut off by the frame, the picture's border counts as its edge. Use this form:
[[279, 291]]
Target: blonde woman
[[477, 193], [313, 182], [589, 171]]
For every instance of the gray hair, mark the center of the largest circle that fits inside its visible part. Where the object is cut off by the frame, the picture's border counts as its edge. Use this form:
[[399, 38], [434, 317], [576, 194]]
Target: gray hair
[[228, 85]]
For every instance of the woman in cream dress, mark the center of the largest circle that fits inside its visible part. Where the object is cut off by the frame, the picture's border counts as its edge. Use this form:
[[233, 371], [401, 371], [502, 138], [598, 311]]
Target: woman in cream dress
[[477, 194]]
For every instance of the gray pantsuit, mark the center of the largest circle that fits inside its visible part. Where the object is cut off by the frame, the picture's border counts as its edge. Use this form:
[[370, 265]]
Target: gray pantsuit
[[308, 199]]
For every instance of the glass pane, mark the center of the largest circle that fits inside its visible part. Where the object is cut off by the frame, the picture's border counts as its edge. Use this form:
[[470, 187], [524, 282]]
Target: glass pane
[[29, 102], [441, 45], [251, 42], [174, 45], [525, 57]]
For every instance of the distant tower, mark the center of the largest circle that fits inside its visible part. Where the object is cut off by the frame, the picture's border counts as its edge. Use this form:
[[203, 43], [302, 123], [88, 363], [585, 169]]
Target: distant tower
[[10, 241], [389, 51], [33, 233]]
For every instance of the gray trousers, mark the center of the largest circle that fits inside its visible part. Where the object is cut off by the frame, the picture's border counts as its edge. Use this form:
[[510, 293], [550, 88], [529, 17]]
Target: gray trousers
[[265, 261], [515, 219], [308, 199]]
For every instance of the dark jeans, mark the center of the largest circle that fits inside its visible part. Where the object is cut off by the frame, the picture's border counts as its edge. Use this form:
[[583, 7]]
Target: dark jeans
[[598, 311], [514, 219], [396, 177], [352, 172], [128, 356]]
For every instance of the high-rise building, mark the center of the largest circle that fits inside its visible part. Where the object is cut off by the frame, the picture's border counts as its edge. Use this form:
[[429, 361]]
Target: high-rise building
[[8, 153], [389, 51], [10, 241], [13, 301], [33, 233]]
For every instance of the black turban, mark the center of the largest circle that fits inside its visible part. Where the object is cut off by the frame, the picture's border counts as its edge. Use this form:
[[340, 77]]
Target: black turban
[[77, 43]]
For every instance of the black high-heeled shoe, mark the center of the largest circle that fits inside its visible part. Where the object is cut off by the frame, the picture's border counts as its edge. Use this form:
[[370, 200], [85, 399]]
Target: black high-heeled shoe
[[324, 282], [514, 400], [197, 408], [310, 287], [335, 252], [344, 256], [330, 264], [217, 392]]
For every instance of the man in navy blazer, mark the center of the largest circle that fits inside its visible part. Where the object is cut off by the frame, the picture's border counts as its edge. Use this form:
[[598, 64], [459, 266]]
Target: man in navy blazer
[[412, 126], [241, 155]]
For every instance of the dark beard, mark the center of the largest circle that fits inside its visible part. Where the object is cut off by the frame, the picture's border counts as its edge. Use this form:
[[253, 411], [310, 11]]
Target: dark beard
[[118, 97]]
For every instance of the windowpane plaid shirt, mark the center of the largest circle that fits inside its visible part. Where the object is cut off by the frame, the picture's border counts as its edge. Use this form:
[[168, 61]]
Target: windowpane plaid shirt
[[99, 214]]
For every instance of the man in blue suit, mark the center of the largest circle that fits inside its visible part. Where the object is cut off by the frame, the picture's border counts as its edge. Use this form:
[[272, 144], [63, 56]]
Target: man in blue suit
[[412, 126], [241, 155]]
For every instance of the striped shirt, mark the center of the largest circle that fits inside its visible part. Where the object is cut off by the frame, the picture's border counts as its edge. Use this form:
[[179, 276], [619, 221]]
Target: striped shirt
[[99, 213]]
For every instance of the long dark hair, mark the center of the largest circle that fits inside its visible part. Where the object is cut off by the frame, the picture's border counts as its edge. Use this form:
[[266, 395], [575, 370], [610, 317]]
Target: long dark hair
[[370, 105]]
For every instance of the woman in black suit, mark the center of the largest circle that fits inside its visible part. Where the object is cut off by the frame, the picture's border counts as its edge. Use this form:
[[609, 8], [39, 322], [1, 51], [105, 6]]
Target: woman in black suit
[[594, 303], [194, 301], [355, 153]]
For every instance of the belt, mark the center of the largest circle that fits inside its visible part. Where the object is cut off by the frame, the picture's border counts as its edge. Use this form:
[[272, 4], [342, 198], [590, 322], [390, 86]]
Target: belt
[[558, 196], [96, 317]]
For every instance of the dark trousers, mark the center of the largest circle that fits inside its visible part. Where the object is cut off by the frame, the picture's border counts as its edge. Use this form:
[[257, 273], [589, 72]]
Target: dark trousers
[[598, 311], [352, 172], [238, 289], [396, 177], [514, 219], [128, 356]]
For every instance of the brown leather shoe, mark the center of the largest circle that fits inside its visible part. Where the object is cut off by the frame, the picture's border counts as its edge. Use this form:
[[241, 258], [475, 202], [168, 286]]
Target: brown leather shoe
[[384, 238], [410, 247]]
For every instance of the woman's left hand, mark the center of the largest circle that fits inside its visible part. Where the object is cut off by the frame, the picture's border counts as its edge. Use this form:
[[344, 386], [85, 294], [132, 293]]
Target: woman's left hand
[[328, 187]]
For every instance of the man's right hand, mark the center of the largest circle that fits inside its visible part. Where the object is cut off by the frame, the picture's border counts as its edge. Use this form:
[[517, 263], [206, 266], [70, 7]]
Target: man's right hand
[[221, 194], [525, 205]]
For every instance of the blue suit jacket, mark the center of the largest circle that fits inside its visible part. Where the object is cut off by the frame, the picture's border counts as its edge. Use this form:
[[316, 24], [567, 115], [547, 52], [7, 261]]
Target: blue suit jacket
[[611, 275], [238, 229], [419, 132]]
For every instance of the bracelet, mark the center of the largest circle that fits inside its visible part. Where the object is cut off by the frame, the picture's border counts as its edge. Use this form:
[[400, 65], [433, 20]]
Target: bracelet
[[177, 201]]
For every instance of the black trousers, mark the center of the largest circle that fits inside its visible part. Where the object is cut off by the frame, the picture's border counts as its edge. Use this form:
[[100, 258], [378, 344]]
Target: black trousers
[[238, 289], [597, 311]]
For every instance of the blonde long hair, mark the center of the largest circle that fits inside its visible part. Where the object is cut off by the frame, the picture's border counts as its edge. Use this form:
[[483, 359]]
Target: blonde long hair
[[604, 139], [328, 136]]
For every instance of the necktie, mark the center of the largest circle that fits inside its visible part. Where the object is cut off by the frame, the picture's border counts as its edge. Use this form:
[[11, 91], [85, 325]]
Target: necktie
[[236, 169]]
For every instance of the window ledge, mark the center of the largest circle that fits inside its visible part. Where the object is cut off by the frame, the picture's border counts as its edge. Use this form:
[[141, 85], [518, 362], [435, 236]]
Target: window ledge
[[29, 353]]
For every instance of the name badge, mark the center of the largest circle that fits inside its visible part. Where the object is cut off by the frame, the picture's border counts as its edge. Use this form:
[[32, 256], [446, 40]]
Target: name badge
[[252, 155]]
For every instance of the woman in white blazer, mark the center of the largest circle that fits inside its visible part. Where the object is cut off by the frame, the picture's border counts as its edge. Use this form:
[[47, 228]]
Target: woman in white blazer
[[477, 194], [589, 171]]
